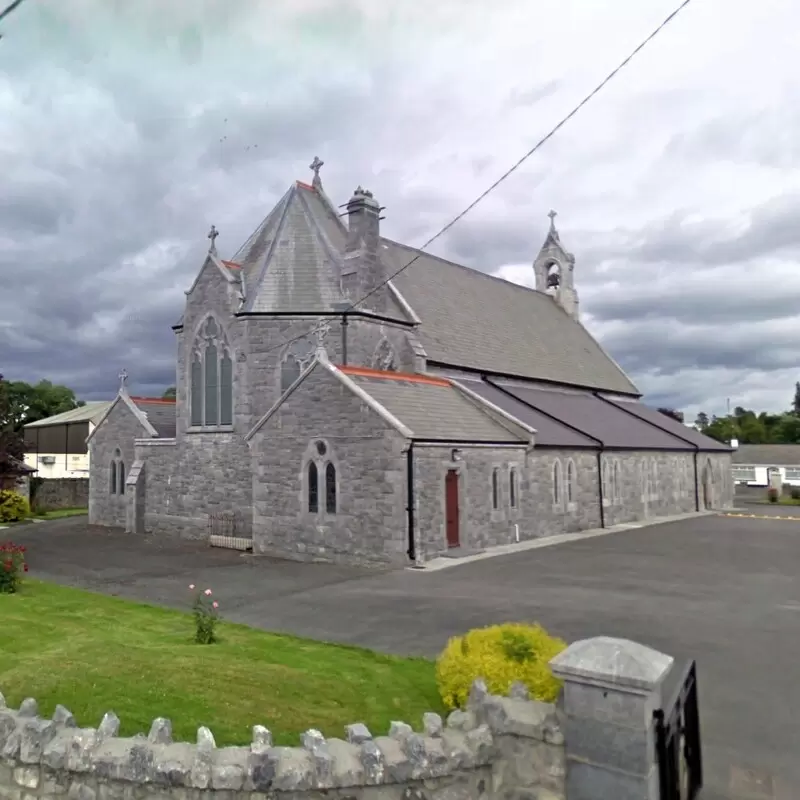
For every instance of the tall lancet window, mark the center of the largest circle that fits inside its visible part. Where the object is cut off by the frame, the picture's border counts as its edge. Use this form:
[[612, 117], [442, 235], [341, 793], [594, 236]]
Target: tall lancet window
[[211, 378]]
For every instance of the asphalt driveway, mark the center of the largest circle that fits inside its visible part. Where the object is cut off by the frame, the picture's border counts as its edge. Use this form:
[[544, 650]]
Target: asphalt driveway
[[722, 590]]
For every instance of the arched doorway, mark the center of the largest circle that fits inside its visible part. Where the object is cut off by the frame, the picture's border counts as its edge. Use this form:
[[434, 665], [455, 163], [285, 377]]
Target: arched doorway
[[707, 482]]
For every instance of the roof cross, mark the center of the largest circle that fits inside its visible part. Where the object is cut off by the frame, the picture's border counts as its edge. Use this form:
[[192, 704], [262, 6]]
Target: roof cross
[[315, 166], [212, 234], [123, 379], [552, 215]]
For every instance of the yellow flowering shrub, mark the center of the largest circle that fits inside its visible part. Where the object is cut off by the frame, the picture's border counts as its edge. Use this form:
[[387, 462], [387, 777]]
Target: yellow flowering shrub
[[500, 654]]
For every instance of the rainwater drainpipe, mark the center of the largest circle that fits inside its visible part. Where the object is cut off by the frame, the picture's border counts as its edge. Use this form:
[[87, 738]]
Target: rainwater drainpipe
[[601, 450], [412, 550], [677, 436], [344, 340]]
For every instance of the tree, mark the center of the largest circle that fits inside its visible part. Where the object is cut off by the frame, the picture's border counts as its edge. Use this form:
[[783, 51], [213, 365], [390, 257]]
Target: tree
[[12, 445], [702, 421], [796, 401], [671, 412], [31, 402], [169, 393]]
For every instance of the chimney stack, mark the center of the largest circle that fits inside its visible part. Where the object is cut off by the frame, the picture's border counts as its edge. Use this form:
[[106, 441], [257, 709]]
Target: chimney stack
[[362, 271]]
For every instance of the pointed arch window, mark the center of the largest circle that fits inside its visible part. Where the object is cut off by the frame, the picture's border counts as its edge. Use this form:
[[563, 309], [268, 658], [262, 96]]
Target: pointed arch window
[[495, 488], [557, 483], [570, 481], [512, 487], [296, 359], [313, 488], [384, 357], [211, 378], [116, 473], [330, 488]]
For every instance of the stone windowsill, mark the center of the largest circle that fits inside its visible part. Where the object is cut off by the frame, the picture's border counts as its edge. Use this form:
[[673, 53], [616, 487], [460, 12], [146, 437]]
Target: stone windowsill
[[572, 507], [210, 429]]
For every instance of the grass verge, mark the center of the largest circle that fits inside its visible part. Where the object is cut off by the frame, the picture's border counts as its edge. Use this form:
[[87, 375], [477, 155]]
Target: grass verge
[[93, 654]]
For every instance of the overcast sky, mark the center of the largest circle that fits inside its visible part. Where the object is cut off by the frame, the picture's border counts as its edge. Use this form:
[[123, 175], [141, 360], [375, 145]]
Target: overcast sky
[[128, 128]]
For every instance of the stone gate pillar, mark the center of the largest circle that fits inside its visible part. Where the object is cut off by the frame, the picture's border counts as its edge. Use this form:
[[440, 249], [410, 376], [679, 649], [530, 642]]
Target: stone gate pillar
[[611, 688]]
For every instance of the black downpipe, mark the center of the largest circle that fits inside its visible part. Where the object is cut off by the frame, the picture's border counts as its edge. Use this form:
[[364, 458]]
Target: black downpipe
[[600, 442], [66, 445], [344, 340], [412, 550], [677, 436]]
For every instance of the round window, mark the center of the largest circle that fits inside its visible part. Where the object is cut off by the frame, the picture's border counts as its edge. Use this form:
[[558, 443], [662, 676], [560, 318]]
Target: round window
[[321, 448]]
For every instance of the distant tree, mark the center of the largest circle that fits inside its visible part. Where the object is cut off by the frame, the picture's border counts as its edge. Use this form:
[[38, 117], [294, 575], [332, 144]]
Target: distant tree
[[702, 421], [169, 393], [12, 445], [796, 401], [31, 402], [671, 412]]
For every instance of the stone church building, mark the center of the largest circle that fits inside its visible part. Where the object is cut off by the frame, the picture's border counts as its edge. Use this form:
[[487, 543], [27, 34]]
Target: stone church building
[[330, 406]]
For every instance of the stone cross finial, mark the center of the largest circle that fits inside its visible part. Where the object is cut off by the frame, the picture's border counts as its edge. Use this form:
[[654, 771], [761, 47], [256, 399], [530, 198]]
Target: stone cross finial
[[123, 379], [212, 234], [321, 332], [315, 167], [552, 215]]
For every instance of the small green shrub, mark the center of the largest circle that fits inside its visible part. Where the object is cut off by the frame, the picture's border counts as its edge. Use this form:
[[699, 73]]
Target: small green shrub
[[501, 655], [13, 506], [772, 494], [794, 492], [12, 567]]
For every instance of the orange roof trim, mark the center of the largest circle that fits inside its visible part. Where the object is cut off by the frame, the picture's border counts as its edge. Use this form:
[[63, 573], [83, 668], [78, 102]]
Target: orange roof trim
[[305, 186], [365, 372], [231, 264], [165, 400]]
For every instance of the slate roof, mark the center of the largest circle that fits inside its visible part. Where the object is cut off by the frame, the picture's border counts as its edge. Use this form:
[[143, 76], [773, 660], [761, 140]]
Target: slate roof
[[431, 408], [705, 443], [599, 419], [549, 433], [160, 413], [767, 455], [91, 412], [469, 319]]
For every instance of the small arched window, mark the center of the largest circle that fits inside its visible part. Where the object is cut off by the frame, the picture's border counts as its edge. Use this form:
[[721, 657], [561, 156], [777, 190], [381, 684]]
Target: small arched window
[[211, 378], [495, 488], [330, 488], [116, 473], [313, 488], [557, 483], [512, 487], [112, 477], [296, 359], [121, 477], [570, 481]]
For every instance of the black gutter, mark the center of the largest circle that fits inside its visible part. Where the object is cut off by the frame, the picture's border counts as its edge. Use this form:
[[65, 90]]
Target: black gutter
[[412, 552], [504, 443], [600, 451], [659, 428], [511, 376], [327, 314], [344, 340]]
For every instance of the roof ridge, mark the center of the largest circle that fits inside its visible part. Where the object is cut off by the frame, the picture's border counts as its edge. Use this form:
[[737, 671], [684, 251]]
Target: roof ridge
[[382, 374]]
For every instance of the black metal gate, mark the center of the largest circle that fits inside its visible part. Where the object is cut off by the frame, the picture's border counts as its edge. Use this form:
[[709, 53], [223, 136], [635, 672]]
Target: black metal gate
[[680, 759]]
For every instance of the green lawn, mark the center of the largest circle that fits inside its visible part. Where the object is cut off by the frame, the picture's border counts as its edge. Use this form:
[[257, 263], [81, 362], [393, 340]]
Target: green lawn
[[93, 654], [60, 513]]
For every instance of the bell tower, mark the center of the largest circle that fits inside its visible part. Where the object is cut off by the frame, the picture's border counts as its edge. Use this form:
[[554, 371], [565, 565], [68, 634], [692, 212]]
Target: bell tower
[[554, 268]]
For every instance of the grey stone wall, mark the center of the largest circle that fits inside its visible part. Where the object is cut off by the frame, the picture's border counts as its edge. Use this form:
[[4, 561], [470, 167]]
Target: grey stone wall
[[119, 430], [498, 748], [187, 480], [370, 522], [55, 493]]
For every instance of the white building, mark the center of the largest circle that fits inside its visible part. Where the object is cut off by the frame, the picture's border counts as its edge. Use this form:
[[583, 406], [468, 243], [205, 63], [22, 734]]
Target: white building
[[56, 446], [752, 463]]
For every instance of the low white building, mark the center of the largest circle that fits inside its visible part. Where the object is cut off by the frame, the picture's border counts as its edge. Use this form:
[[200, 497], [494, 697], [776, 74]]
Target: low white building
[[56, 446], [753, 463]]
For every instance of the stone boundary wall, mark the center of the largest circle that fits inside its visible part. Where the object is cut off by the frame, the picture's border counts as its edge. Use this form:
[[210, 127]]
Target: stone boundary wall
[[500, 747], [55, 493]]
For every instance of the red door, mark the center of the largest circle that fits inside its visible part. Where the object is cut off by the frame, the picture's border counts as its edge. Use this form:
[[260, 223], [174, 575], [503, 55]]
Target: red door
[[451, 508]]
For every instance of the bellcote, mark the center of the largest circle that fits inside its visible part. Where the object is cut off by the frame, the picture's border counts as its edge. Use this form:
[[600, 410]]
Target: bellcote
[[553, 270]]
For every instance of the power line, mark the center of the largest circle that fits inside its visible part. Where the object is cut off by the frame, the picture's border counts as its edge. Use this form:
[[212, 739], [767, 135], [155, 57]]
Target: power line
[[8, 9], [611, 75]]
